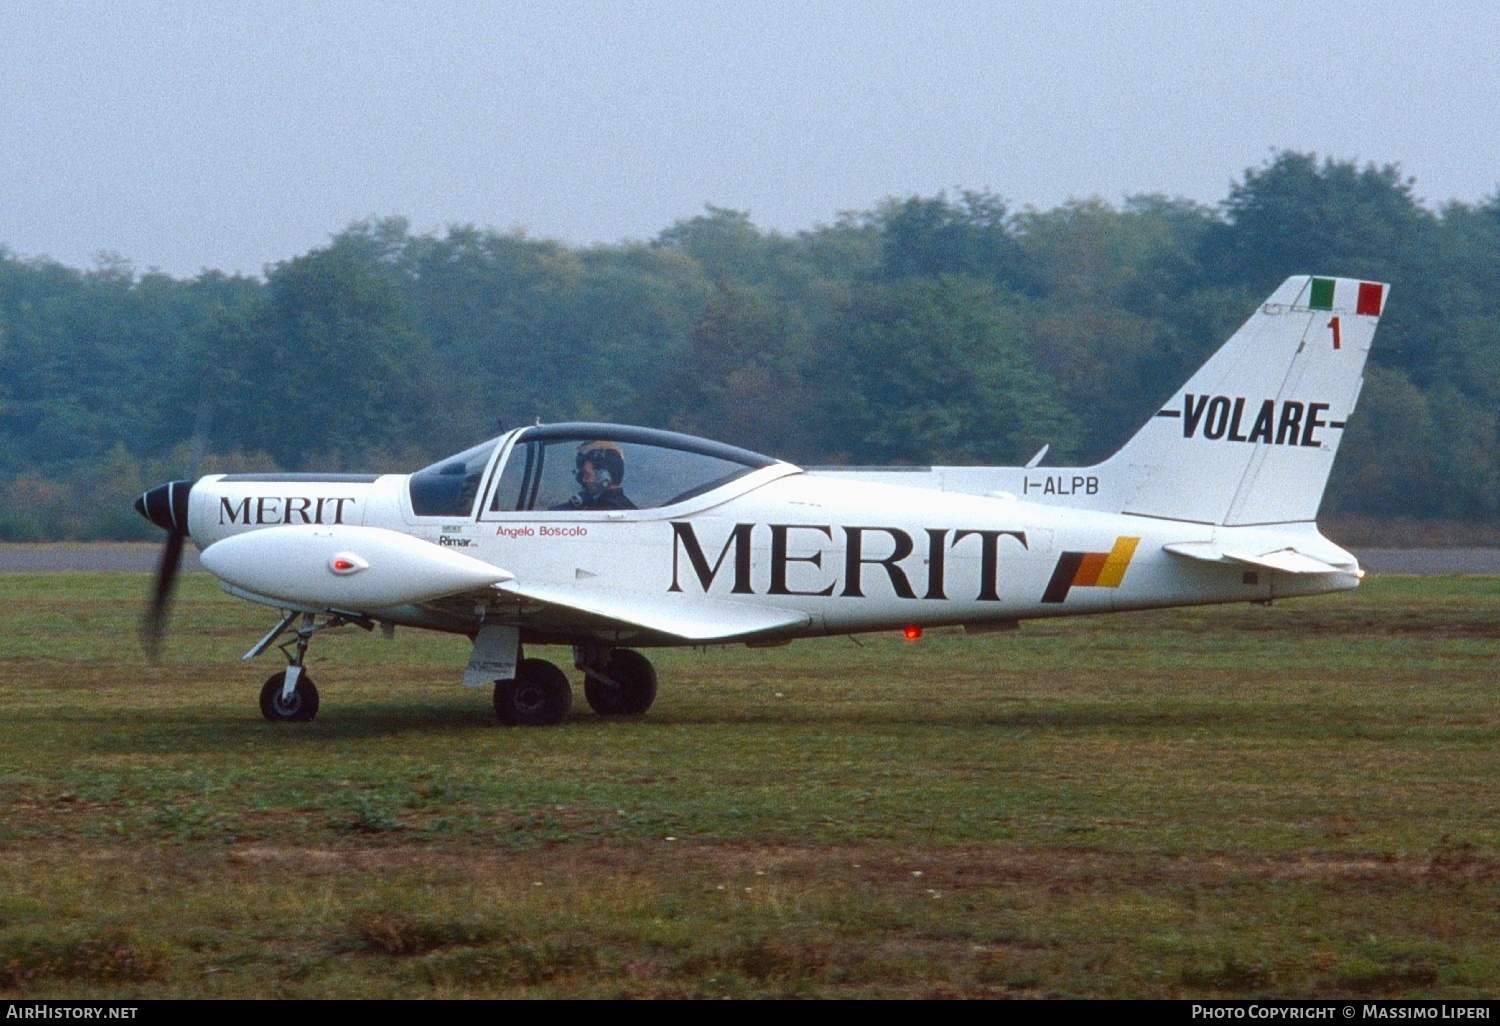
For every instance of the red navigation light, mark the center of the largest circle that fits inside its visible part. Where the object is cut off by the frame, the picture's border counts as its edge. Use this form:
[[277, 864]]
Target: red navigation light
[[345, 563], [911, 633]]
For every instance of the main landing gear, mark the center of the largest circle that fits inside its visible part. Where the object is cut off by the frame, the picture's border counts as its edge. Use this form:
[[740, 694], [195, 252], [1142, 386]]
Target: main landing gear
[[538, 696], [616, 682]]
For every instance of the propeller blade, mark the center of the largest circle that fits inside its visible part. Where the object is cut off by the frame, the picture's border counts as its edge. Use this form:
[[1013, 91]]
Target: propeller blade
[[154, 624], [166, 506]]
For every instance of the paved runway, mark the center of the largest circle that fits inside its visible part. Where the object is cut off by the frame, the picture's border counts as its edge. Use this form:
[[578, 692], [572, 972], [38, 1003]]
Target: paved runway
[[140, 557], [1429, 561], [92, 557]]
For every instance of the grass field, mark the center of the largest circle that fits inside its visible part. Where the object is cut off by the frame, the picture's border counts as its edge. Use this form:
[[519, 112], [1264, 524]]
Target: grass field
[[1299, 800]]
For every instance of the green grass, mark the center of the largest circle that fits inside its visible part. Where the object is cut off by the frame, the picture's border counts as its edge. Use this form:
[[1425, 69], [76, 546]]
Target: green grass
[[1297, 800]]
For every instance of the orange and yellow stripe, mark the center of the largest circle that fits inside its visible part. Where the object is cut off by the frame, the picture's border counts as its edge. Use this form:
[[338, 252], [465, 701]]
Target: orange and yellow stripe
[[1090, 569]]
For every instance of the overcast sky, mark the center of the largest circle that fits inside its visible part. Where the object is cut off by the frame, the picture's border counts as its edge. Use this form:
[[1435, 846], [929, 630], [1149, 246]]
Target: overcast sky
[[233, 135]]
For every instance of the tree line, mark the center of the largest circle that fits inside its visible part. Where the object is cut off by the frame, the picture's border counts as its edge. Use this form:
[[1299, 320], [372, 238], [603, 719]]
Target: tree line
[[945, 328]]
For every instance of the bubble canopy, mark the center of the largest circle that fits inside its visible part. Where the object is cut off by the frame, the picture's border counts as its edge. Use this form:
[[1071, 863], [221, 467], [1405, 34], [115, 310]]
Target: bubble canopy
[[642, 468]]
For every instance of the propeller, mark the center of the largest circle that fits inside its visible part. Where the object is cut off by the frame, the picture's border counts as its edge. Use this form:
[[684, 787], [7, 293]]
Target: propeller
[[166, 506]]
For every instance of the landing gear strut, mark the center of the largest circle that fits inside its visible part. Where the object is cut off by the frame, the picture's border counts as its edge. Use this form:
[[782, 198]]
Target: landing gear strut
[[616, 681], [290, 696]]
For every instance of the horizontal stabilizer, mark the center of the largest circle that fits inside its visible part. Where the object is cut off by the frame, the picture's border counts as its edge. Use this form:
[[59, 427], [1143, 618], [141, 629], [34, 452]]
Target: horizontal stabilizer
[[681, 616], [1288, 561]]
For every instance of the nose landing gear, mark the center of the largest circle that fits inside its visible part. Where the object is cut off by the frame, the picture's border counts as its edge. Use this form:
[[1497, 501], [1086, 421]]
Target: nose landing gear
[[290, 696]]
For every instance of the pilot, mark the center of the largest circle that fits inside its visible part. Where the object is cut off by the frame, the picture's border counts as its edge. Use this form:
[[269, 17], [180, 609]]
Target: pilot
[[600, 474]]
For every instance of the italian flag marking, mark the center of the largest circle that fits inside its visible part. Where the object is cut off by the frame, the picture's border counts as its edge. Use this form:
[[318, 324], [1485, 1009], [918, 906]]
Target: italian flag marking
[[1322, 294], [1367, 301]]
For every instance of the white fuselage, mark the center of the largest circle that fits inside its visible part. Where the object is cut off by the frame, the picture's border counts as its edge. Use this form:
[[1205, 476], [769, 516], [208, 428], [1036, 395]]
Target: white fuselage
[[852, 555]]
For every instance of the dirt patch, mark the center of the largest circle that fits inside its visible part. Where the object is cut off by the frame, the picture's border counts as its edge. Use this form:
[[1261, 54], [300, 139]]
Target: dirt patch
[[885, 866]]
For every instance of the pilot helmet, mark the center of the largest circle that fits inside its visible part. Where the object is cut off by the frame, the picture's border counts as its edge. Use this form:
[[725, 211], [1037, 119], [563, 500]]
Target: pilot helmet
[[608, 461]]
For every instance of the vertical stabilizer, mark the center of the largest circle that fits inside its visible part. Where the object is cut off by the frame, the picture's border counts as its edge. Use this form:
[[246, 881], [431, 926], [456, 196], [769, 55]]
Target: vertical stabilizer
[[1251, 438]]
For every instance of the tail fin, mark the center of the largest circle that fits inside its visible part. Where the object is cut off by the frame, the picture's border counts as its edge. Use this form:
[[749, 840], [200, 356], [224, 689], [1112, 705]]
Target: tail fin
[[1250, 439]]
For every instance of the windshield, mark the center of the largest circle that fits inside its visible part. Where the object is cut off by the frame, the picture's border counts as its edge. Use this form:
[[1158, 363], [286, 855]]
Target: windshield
[[448, 487], [580, 467]]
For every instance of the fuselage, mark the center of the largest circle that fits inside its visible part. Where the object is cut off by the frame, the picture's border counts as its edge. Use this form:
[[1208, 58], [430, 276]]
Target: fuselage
[[852, 555]]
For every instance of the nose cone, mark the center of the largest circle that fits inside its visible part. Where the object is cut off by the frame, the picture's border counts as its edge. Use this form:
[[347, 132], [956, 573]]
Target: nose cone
[[166, 506]]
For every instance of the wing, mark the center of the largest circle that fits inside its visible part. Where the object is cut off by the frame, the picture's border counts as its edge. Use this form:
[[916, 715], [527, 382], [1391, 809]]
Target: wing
[[367, 570], [679, 617]]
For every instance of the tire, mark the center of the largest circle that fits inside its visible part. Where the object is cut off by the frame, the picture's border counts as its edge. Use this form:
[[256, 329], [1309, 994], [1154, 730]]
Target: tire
[[633, 691], [539, 696], [301, 707]]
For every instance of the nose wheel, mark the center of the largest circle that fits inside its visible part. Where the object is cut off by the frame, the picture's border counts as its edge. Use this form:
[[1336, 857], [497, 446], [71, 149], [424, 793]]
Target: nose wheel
[[280, 706]]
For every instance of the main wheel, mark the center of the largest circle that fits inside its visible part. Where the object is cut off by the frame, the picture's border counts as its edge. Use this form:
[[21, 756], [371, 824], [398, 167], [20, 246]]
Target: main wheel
[[300, 707], [634, 687], [539, 695]]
